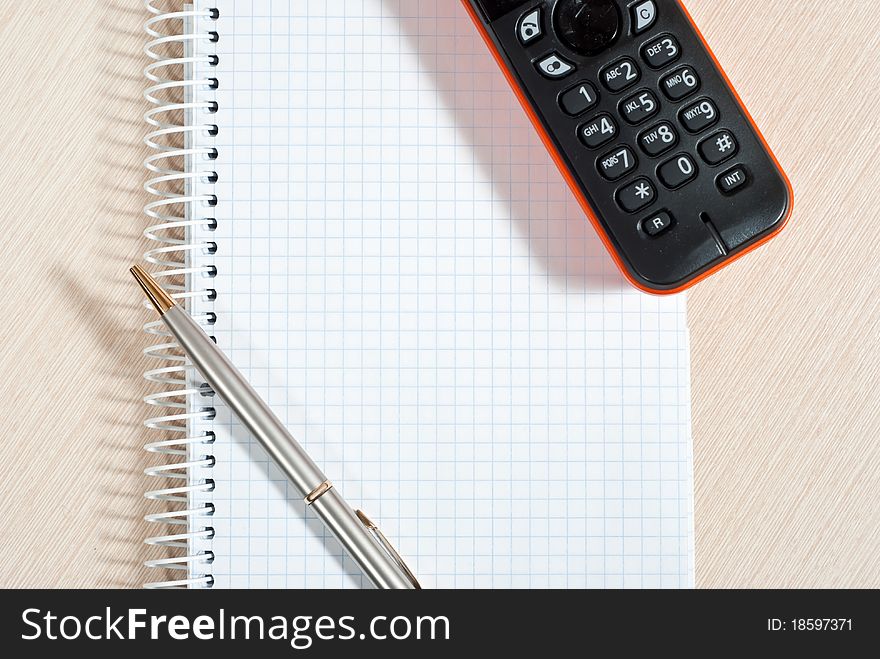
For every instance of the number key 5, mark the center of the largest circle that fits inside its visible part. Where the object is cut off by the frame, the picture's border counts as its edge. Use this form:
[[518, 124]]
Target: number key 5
[[639, 107]]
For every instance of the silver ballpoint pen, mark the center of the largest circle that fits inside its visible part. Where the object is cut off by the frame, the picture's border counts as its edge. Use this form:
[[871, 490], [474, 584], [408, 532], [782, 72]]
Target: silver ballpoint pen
[[362, 539]]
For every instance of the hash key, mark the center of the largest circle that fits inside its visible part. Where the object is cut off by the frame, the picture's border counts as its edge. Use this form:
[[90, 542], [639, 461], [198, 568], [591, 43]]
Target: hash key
[[719, 147]]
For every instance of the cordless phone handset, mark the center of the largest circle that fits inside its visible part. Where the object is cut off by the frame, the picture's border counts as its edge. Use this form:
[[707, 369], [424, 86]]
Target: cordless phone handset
[[647, 130]]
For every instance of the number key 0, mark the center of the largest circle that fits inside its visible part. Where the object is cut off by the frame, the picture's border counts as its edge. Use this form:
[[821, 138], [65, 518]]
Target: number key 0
[[678, 171]]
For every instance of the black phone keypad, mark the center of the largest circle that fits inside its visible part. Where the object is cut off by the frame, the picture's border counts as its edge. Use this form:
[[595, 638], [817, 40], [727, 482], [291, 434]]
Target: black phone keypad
[[655, 138]]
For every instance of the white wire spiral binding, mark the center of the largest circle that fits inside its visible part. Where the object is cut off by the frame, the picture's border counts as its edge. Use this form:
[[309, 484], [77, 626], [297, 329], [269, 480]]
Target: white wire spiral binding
[[171, 227]]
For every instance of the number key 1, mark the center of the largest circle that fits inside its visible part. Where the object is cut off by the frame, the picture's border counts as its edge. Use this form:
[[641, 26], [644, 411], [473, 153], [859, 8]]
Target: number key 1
[[580, 99]]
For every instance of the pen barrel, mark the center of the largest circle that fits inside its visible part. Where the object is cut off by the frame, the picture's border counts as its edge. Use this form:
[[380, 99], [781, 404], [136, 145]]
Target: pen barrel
[[228, 383], [255, 415], [375, 562]]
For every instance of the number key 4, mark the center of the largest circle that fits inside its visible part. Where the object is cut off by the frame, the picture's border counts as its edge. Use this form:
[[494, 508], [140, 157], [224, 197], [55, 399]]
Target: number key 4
[[598, 131]]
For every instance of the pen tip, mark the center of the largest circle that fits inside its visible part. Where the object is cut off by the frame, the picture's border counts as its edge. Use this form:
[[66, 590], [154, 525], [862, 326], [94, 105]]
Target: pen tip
[[155, 293]]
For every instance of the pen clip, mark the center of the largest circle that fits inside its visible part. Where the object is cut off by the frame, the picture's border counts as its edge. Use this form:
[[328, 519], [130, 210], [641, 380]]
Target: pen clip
[[387, 546]]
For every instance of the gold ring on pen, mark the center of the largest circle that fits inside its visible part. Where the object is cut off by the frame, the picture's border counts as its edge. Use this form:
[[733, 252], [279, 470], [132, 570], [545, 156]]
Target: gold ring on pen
[[319, 491]]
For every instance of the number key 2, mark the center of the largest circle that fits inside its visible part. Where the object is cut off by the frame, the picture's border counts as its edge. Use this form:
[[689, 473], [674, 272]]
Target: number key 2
[[620, 75]]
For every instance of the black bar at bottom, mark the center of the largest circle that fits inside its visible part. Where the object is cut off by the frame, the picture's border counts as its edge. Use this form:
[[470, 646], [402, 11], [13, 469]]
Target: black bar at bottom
[[434, 623]]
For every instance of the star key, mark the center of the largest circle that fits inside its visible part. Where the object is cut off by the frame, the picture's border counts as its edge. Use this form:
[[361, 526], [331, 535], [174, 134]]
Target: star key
[[637, 195]]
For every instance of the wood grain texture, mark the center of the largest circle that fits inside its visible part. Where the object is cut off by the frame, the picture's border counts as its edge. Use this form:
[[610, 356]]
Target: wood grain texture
[[785, 343]]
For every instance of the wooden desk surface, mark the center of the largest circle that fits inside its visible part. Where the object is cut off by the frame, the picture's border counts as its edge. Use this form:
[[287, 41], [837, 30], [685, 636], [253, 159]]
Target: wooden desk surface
[[785, 343]]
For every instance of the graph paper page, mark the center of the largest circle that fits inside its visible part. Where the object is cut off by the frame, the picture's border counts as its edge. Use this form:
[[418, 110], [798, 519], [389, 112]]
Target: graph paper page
[[403, 274]]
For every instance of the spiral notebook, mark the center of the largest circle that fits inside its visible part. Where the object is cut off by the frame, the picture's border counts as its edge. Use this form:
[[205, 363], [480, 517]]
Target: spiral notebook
[[358, 210]]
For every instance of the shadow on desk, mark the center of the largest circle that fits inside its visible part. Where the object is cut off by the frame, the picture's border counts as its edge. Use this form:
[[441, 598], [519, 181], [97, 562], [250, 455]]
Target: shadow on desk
[[542, 208]]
